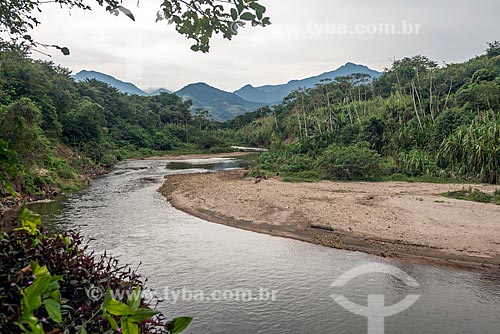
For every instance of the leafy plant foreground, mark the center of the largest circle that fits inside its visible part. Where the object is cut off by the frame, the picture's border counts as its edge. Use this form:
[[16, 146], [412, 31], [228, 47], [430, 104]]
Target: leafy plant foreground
[[45, 282]]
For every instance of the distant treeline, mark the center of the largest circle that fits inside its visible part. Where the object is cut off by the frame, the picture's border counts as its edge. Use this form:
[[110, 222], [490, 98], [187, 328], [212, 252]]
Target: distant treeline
[[418, 120], [55, 131]]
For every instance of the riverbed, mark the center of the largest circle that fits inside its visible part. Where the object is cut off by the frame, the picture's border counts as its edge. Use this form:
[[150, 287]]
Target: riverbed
[[199, 268]]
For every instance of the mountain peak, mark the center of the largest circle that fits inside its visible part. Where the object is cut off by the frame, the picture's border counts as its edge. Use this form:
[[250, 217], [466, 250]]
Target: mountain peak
[[222, 105], [353, 65], [276, 94], [124, 87]]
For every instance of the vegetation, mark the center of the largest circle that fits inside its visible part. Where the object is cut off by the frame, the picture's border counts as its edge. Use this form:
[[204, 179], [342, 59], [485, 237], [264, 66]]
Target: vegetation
[[45, 282], [475, 195], [56, 133], [198, 20], [417, 120]]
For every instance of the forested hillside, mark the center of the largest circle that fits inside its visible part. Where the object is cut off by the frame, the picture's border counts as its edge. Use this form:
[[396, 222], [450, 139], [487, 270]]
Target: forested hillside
[[416, 120], [56, 133]]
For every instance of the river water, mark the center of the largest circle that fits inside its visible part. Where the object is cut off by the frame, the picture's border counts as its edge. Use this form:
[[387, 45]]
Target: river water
[[234, 281]]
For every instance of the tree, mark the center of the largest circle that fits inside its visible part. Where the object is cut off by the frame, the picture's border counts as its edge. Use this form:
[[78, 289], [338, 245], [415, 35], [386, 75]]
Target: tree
[[20, 128], [84, 125], [198, 20], [493, 49]]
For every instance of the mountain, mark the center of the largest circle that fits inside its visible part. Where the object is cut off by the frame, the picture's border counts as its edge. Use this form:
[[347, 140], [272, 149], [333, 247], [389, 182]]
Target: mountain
[[159, 91], [274, 94], [222, 105], [124, 87]]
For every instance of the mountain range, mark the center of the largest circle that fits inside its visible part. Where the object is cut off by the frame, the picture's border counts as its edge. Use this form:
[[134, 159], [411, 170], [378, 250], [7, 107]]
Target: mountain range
[[221, 105], [274, 94], [122, 86], [224, 105]]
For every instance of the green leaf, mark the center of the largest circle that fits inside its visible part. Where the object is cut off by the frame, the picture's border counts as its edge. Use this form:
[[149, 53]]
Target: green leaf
[[126, 12], [39, 271], [247, 16], [234, 14], [65, 51], [32, 294], [111, 320], [128, 327], [259, 9], [30, 220], [115, 307], [180, 324], [53, 309], [56, 295], [134, 299], [36, 329], [28, 215], [142, 314], [54, 286], [240, 6], [107, 299], [31, 320]]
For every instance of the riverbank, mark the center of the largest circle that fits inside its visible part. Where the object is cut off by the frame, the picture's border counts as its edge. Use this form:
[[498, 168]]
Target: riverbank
[[10, 206], [397, 219], [197, 156]]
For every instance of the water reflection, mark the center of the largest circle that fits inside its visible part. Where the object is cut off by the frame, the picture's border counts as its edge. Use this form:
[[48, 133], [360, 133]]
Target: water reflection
[[127, 216]]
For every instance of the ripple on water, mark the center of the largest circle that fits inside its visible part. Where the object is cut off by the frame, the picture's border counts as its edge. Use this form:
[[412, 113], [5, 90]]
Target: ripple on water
[[125, 213]]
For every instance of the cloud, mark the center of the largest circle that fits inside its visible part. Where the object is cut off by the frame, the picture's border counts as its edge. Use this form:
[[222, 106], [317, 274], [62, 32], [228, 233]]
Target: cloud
[[304, 40]]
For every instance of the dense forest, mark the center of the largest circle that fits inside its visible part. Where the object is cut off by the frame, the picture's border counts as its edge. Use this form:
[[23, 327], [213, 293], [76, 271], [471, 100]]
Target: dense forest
[[418, 120], [56, 133]]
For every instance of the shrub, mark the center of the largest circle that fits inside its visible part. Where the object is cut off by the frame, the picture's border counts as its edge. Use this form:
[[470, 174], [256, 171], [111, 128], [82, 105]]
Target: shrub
[[29, 305], [207, 142], [474, 151], [350, 163], [286, 160], [416, 163], [447, 122], [475, 195]]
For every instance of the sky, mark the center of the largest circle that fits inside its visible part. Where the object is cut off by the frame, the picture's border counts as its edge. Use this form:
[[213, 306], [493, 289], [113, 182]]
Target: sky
[[306, 38]]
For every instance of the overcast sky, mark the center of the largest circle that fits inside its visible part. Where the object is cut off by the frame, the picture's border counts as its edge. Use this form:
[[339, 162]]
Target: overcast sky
[[307, 38]]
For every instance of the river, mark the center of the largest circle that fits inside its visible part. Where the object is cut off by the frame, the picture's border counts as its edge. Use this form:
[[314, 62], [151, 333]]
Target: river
[[226, 278]]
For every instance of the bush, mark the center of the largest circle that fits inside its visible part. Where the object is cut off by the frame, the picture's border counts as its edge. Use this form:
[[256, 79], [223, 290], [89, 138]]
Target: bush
[[447, 122], [286, 160], [350, 163], [475, 195], [416, 163], [207, 142], [474, 151], [30, 258]]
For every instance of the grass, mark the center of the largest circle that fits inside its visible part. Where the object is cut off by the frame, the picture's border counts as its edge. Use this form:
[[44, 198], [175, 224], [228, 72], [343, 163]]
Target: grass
[[475, 195], [423, 179], [303, 176], [315, 176]]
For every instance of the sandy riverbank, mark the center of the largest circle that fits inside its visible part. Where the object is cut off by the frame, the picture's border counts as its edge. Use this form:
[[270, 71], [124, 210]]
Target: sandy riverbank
[[398, 219]]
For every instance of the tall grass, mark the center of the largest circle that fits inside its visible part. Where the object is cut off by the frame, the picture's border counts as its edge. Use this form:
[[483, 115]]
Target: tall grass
[[474, 150]]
